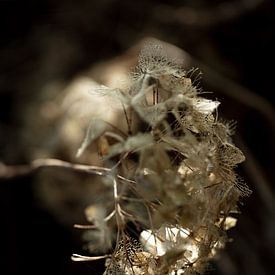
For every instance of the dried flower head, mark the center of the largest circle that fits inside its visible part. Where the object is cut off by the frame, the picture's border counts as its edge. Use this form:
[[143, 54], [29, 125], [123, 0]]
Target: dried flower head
[[171, 188]]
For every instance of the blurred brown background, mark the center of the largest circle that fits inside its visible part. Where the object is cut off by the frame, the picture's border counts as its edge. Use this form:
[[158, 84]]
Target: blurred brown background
[[46, 45]]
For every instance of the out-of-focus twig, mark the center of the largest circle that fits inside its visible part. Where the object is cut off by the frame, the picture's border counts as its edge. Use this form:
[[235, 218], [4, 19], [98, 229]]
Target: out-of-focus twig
[[205, 18]]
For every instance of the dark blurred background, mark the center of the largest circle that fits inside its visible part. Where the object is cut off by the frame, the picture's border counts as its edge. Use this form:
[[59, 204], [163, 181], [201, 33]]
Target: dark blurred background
[[49, 43]]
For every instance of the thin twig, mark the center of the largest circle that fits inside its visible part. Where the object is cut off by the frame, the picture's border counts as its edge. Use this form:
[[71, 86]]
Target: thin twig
[[12, 171], [85, 226], [207, 17], [91, 226], [80, 258]]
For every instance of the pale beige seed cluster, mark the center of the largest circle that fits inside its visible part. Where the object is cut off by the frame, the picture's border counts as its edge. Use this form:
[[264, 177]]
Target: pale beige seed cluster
[[172, 190]]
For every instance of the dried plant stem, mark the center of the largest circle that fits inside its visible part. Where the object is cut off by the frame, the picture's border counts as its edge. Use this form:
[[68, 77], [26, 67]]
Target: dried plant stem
[[118, 211], [81, 258], [11, 171], [91, 226]]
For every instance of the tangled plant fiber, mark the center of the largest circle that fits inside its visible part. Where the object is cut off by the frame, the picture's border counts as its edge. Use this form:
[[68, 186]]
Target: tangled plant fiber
[[169, 183]]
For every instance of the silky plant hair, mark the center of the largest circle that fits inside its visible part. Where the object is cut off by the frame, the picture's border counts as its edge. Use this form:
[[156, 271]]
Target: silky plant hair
[[169, 187]]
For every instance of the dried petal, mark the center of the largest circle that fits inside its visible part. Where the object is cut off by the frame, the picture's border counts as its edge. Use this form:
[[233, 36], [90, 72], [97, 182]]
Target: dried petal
[[205, 106], [95, 129]]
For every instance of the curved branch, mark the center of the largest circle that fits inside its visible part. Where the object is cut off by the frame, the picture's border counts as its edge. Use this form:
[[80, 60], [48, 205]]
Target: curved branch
[[12, 171]]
